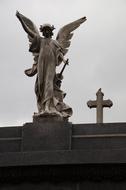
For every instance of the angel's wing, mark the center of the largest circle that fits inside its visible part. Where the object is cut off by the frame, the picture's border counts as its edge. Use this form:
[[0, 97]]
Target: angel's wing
[[28, 25], [30, 28], [65, 33]]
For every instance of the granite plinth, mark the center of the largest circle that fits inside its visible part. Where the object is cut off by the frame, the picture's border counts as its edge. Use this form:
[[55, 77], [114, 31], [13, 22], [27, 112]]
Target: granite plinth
[[45, 135]]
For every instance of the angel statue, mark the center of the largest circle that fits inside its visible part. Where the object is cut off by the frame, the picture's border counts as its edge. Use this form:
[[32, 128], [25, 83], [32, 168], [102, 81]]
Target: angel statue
[[48, 54]]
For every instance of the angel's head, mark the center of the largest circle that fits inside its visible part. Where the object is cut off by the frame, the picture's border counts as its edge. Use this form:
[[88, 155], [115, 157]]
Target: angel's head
[[46, 30]]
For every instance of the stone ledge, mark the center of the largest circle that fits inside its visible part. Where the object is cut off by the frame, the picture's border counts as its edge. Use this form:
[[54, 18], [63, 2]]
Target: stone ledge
[[63, 157]]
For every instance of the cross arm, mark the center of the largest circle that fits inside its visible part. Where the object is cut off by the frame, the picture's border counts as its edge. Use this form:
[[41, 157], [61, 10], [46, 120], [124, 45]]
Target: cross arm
[[92, 103], [107, 103]]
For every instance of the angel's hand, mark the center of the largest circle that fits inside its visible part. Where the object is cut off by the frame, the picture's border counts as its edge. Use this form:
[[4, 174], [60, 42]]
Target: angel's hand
[[27, 25], [17, 13], [84, 18]]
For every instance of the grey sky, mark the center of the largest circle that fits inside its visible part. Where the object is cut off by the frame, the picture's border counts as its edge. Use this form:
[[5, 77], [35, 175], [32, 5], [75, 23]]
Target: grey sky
[[97, 57]]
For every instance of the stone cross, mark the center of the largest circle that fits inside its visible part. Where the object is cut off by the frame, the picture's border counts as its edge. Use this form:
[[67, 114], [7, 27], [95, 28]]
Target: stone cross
[[99, 104]]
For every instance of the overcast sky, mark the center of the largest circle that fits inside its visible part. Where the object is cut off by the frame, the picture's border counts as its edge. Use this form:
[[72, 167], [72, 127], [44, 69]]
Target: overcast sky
[[97, 57]]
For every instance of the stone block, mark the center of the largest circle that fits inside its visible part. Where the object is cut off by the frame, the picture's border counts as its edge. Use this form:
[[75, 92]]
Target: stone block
[[41, 136]]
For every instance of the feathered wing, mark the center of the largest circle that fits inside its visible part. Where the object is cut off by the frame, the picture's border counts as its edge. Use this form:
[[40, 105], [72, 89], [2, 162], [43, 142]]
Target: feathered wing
[[65, 33], [30, 25]]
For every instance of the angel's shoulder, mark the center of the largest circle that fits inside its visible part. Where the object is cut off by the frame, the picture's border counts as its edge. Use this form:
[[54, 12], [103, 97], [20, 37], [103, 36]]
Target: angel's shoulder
[[56, 43], [38, 39]]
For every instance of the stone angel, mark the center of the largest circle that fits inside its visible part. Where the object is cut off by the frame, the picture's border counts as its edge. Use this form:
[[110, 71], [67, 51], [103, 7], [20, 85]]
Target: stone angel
[[48, 54]]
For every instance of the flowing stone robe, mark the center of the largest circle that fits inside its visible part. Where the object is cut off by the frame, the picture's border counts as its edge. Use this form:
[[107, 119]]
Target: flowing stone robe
[[48, 55]]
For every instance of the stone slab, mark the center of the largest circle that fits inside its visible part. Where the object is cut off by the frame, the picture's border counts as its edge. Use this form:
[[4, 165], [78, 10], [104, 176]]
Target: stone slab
[[10, 145], [38, 136], [99, 136], [103, 128], [10, 132], [99, 143], [10, 139], [63, 157]]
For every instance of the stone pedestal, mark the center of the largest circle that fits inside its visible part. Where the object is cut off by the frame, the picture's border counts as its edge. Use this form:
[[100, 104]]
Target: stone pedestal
[[46, 135]]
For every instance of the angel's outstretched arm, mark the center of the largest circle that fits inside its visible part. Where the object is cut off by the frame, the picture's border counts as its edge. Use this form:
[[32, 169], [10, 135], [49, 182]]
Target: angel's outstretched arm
[[25, 27], [63, 59]]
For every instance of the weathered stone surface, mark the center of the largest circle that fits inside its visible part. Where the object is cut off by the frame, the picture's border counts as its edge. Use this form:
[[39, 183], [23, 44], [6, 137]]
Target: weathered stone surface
[[101, 128], [88, 162], [70, 177], [63, 157], [62, 135], [38, 136], [10, 139], [100, 136]]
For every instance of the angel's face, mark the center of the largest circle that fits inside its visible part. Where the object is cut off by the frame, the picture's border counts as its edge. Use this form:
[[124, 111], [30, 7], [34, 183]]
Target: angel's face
[[47, 32]]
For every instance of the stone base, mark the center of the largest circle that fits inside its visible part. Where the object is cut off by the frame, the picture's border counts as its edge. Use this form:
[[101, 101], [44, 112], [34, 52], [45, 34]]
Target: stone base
[[59, 155], [46, 117], [43, 134]]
